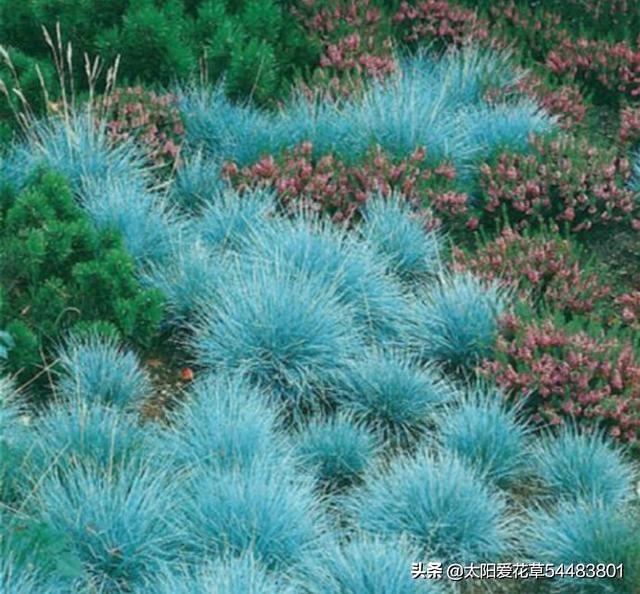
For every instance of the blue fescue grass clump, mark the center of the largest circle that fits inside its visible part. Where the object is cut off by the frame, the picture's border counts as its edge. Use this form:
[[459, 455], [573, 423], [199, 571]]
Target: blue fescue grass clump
[[79, 149], [506, 126], [98, 369], [393, 393], [336, 450], [10, 410], [80, 433], [367, 565], [119, 526], [224, 130], [410, 110], [469, 72], [264, 510], [326, 255], [328, 126], [141, 217], [458, 321], [14, 580], [224, 424], [196, 181], [389, 225], [426, 104], [585, 532], [487, 434], [288, 335], [229, 219], [580, 465], [635, 173], [231, 575], [443, 504], [189, 275], [14, 441]]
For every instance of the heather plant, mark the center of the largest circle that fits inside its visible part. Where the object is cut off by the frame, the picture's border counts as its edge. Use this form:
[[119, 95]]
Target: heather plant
[[97, 368], [224, 424], [336, 450], [59, 272], [441, 23], [604, 17], [608, 69], [577, 465], [564, 182], [394, 394], [286, 334], [398, 234], [152, 120], [354, 40], [326, 183], [629, 132], [569, 370], [628, 306], [446, 507], [488, 435], [120, 525], [348, 63], [457, 321], [542, 267], [561, 41], [585, 532], [262, 510]]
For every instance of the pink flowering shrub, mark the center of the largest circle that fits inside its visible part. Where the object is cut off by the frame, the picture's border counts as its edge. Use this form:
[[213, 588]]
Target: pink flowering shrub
[[151, 120], [563, 182], [611, 18], [346, 64], [544, 269], [440, 22], [628, 305], [565, 103], [629, 133], [607, 70], [330, 185], [568, 374], [612, 69], [355, 43], [535, 31]]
